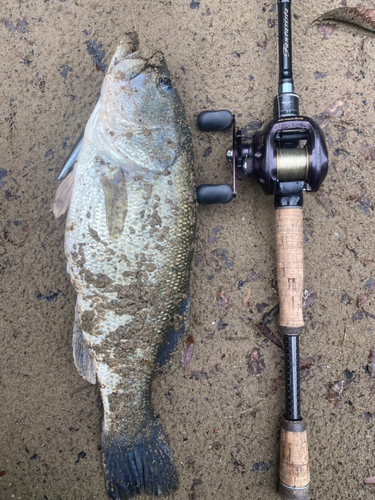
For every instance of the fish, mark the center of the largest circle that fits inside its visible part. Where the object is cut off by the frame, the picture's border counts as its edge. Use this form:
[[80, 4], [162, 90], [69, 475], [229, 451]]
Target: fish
[[129, 237]]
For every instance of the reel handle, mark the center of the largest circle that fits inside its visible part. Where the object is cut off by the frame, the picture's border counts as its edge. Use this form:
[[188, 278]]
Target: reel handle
[[294, 462], [211, 121], [208, 194]]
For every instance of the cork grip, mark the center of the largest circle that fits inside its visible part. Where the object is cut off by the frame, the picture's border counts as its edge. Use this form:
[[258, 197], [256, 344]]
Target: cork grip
[[289, 255], [294, 462]]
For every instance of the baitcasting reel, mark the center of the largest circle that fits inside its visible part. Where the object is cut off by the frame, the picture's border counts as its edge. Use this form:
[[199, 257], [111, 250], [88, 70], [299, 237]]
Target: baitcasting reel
[[288, 157]]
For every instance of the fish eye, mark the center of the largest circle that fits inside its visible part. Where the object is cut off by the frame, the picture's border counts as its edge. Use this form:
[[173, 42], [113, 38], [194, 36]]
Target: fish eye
[[165, 83]]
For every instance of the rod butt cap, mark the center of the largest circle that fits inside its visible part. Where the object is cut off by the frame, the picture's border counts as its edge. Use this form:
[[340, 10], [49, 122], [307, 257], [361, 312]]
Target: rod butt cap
[[288, 493]]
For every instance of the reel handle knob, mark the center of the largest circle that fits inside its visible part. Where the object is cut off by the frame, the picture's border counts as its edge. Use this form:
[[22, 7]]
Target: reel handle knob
[[210, 121], [208, 194]]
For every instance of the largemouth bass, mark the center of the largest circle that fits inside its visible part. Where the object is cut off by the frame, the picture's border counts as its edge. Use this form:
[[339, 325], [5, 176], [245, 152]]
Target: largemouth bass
[[128, 243]]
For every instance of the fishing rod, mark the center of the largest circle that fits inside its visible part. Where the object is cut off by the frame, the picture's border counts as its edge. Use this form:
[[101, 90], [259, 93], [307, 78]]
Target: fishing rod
[[288, 157]]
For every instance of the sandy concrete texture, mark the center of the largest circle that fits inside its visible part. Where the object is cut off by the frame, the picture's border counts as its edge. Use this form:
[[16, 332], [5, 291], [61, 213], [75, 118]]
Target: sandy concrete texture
[[222, 422]]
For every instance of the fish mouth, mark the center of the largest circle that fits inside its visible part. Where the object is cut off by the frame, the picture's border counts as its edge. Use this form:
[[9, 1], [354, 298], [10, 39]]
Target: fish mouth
[[124, 66], [128, 45], [127, 62]]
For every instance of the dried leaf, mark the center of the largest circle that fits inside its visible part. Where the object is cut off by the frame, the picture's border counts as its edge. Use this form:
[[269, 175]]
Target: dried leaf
[[262, 45], [264, 330], [353, 197], [267, 317], [246, 299], [326, 30], [255, 364], [334, 110], [187, 352], [359, 16], [304, 367], [275, 384], [338, 387], [370, 480], [361, 299], [371, 362], [324, 196], [335, 393], [222, 300], [367, 152], [308, 297]]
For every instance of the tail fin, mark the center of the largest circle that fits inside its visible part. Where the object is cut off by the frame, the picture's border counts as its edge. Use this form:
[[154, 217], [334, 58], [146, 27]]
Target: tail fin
[[141, 464]]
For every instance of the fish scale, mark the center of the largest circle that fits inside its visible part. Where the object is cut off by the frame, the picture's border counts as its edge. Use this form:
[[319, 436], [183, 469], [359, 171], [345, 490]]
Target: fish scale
[[128, 243]]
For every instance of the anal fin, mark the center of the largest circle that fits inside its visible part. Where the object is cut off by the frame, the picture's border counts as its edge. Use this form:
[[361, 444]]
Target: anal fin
[[83, 358]]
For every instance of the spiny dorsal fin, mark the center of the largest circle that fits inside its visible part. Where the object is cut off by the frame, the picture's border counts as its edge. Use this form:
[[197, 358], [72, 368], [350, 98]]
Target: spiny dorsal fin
[[63, 195]]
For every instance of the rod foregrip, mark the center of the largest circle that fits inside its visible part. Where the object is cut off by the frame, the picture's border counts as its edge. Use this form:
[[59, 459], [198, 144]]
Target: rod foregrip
[[294, 461], [289, 257]]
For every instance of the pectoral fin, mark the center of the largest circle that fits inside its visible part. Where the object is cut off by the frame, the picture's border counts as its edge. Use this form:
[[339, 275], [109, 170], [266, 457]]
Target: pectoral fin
[[116, 202], [71, 158], [63, 195]]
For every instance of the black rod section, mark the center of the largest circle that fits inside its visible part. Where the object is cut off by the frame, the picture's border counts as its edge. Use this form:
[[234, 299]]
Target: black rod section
[[292, 394], [285, 42], [286, 103]]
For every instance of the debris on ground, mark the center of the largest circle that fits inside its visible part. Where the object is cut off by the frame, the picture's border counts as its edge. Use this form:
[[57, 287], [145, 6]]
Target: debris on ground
[[370, 480], [335, 393], [187, 352], [357, 16], [222, 300], [264, 330], [371, 363], [255, 364]]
